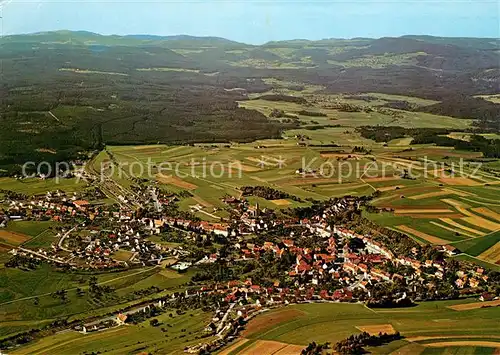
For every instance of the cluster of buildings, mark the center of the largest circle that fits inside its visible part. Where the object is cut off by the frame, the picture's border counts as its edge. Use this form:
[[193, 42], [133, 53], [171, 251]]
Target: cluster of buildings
[[58, 206], [99, 231], [105, 237], [318, 260]]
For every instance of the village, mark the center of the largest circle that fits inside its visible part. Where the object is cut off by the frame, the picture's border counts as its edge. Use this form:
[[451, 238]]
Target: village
[[263, 261]]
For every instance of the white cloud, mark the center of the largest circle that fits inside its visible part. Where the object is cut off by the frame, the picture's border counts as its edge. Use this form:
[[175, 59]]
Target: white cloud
[[3, 3]]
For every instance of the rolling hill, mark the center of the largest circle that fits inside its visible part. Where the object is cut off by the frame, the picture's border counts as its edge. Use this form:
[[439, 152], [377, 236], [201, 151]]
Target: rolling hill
[[179, 89]]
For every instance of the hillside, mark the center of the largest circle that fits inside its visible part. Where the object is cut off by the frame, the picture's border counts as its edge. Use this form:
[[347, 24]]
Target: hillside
[[179, 89]]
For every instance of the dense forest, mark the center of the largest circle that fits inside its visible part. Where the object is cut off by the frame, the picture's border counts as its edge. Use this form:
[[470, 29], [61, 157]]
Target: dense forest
[[486, 113], [65, 93], [477, 143]]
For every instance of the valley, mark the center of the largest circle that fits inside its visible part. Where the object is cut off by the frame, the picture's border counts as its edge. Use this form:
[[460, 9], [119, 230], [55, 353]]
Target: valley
[[195, 194]]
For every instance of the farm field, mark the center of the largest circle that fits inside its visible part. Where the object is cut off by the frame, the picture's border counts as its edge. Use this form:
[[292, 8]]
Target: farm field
[[209, 172], [477, 261], [122, 255], [38, 186], [429, 327], [181, 331], [31, 228], [13, 238], [33, 234], [432, 206], [477, 246], [202, 119], [460, 211], [354, 119], [25, 296]]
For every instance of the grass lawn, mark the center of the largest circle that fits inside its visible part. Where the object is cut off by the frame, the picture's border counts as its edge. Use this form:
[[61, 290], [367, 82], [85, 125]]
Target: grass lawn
[[42, 241], [295, 324], [31, 228]]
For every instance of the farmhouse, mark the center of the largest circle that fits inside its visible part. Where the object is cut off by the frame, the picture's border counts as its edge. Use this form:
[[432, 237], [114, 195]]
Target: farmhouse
[[81, 204], [120, 319], [486, 296], [450, 250]]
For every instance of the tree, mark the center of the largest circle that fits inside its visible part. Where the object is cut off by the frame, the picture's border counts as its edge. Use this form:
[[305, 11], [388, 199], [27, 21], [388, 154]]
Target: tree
[[93, 281]]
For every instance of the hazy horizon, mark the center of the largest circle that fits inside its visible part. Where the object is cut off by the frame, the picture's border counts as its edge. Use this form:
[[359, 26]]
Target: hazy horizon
[[230, 39], [256, 22]]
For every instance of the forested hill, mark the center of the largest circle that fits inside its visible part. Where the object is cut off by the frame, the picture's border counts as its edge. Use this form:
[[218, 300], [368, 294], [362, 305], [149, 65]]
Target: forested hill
[[429, 67], [179, 89]]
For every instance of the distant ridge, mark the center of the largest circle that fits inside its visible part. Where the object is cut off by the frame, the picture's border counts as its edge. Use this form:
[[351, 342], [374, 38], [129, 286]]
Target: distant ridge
[[474, 42], [179, 38]]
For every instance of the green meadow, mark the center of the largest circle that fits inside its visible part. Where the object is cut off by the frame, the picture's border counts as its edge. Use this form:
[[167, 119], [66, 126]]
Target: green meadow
[[325, 144], [26, 296], [170, 337], [31, 228], [35, 186], [424, 325]]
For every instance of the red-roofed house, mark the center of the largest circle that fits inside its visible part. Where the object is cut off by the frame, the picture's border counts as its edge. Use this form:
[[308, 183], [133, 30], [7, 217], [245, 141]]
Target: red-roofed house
[[288, 243], [81, 204]]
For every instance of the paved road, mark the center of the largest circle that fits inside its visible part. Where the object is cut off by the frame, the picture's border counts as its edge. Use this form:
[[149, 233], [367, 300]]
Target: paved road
[[157, 203], [111, 188], [41, 255], [224, 319], [54, 116], [65, 235]]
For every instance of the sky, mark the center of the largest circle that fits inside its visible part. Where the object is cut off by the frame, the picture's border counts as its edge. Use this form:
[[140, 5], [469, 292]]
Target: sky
[[256, 21]]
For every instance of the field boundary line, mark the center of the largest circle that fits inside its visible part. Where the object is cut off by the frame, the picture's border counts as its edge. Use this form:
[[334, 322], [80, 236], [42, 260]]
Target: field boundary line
[[75, 288], [454, 231], [486, 235], [35, 237], [479, 202], [476, 258]]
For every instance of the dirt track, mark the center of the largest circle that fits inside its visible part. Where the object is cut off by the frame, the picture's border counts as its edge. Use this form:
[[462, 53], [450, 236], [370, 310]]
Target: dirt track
[[475, 305], [443, 344]]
